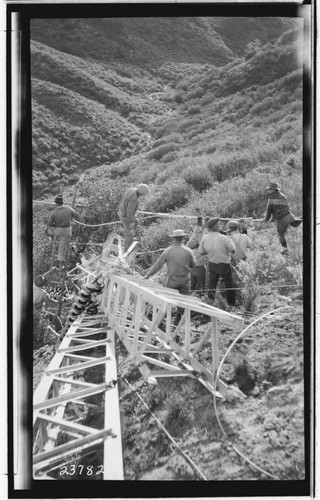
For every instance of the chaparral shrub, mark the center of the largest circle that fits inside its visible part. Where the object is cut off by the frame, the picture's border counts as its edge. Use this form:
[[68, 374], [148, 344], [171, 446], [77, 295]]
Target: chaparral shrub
[[172, 194]]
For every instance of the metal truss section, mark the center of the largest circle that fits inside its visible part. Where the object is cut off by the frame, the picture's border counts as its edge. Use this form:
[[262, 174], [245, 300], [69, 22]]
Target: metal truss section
[[154, 324], [79, 381], [76, 405]]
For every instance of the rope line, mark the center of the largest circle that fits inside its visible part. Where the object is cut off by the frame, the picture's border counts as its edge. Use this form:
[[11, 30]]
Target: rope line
[[150, 251], [159, 214], [244, 287], [97, 225], [216, 382], [149, 215], [195, 467]]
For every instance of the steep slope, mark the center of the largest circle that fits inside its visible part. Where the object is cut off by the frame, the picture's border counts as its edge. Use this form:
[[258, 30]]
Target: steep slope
[[148, 116], [150, 42], [228, 121]]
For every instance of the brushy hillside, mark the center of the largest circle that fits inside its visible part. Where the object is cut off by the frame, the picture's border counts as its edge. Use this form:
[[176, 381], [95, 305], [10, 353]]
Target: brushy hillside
[[152, 42], [142, 99], [207, 111]]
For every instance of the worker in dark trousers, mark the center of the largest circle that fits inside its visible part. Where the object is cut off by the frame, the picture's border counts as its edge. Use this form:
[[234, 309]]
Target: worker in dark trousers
[[241, 241], [278, 211], [59, 226], [219, 250], [127, 212], [179, 261], [242, 244], [198, 274]]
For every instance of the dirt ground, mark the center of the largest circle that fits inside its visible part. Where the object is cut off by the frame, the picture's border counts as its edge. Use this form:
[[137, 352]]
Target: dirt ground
[[255, 432], [260, 419]]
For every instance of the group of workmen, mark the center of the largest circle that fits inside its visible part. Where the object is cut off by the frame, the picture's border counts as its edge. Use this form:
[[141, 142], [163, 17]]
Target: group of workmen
[[208, 256], [210, 253]]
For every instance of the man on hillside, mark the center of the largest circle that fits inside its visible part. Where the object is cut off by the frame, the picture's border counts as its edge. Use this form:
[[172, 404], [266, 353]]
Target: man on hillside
[[40, 298], [242, 226], [279, 212], [219, 249], [198, 273], [179, 261], [241, 241], [59, 225], [127, 212]]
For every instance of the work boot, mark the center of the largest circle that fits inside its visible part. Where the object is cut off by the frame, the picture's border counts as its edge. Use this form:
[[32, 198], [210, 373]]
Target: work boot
[[296, 223]]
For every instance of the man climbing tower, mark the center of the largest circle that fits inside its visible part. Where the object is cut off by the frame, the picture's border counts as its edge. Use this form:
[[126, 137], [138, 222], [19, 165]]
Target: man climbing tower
[[59, 225], [127, 212], [278, 209]]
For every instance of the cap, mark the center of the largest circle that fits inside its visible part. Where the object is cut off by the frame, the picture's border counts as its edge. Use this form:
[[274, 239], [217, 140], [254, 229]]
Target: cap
[[40, 281], [233, 224], [193, 243], [58, 199], [212, 222], [143, 189]]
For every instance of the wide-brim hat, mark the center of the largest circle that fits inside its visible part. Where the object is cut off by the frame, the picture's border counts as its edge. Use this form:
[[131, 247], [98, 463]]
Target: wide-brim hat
[[273, 185], [211, 222], [177, 233]]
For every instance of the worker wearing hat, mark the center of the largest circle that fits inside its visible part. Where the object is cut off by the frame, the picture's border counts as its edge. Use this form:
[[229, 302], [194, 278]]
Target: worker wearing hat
[[199, 273], [127, 212], [219, 249], [179, 260], [278, 211], [241, 241], [59, 225]]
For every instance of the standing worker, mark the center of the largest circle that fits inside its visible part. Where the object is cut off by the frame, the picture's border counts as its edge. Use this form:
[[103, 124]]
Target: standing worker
[[219, 249], [179, 261], [242, 226], [39, 294], [198, 274], [278, 209], [59, 225], [241, 241], [40, 299], [127, 212]]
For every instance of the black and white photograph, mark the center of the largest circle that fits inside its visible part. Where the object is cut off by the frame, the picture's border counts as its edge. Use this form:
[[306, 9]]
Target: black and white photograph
[[162, 263]]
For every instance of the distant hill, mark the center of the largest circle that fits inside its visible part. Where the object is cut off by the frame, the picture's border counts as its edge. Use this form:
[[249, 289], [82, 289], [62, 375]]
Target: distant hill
[[149, 98], [151, 42]]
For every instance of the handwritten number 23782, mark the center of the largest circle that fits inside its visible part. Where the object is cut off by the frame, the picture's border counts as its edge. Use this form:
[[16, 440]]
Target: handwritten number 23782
[[82, 469]]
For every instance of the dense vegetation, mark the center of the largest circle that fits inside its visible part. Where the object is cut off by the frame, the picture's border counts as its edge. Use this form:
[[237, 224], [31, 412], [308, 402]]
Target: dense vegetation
[[193, 100], [207, 111], [207, 129]]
